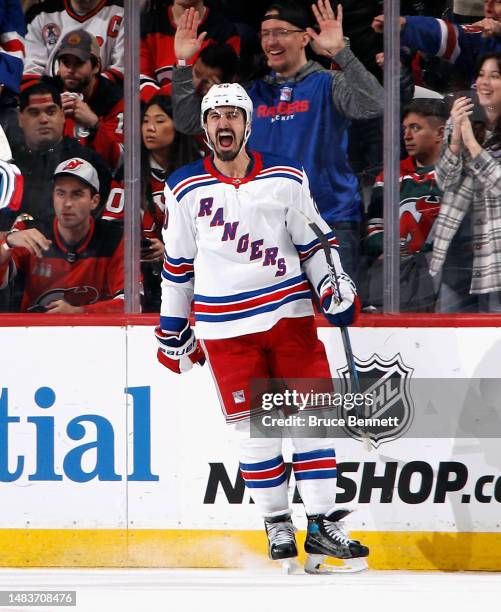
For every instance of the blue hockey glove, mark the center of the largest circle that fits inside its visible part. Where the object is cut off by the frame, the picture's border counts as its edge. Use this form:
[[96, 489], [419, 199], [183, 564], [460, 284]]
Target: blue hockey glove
[[341, 308], [179, 351]]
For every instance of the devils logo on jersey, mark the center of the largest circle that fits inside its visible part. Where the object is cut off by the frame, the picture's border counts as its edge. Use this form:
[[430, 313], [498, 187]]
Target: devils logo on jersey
[[76, 296], [417, 216]]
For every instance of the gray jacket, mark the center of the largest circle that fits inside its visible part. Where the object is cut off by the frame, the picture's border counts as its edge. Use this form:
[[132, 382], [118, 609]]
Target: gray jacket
[[356, 93]]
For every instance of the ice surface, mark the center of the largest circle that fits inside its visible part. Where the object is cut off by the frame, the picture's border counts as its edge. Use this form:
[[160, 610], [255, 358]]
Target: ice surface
[[259, 590]]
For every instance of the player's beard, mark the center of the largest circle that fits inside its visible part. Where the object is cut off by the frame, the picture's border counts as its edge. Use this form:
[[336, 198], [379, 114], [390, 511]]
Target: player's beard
[[227, 156]]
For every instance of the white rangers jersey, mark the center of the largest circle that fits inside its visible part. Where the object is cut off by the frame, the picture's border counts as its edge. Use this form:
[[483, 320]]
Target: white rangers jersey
[[49, 21], [240, 249]]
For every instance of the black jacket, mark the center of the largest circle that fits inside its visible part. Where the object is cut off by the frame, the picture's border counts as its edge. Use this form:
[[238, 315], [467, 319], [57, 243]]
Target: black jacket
[[37, 168]]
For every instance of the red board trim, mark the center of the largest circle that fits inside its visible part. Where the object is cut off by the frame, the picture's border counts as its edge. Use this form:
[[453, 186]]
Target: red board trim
[[365, 320]]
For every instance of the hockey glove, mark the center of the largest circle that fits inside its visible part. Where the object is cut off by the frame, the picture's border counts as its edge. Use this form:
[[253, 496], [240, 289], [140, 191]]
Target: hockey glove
[[341, 308], [180, 351]]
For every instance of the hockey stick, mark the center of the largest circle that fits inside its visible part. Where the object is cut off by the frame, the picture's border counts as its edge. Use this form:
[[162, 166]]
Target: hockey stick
[[345, 336]]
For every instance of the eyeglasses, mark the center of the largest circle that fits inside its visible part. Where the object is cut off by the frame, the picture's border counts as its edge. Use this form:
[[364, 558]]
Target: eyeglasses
[[279, 33], [233, 115]]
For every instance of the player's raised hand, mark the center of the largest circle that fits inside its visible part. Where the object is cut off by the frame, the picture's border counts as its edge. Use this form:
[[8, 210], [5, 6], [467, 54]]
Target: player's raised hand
[[329, 40], [186, 41]]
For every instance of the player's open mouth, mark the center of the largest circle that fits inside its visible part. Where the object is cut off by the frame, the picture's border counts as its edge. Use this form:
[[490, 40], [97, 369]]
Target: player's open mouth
[[225, 139]]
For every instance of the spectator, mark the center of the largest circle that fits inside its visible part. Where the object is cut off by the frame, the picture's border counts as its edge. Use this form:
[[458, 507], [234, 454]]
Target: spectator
[[423, 126], [50, 20], [12, 31], [163, 151], [216, 63], [458, 44], [301, 110], [467, 11], [246, 16], [41, 119], [157, 40], [76, 265], [93, 105], [469, 173]]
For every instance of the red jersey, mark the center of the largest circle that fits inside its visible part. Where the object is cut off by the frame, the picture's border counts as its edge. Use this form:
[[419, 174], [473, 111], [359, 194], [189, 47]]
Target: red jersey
[[152, 218], [108, 104], [157, 57], [420, 199], [89, 274]]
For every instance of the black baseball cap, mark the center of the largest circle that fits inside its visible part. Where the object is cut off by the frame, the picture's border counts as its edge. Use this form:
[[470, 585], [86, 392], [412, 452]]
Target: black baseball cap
[[290, 12]]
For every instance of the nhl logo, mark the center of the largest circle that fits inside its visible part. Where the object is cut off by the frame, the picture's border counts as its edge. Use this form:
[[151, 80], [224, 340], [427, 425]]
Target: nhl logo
[[388, 382]]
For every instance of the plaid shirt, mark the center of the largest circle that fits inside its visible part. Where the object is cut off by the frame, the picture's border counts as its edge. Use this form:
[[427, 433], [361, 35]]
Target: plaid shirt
[[474, 182]]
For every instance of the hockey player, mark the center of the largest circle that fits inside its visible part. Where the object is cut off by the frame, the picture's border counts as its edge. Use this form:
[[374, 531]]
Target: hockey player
[[302, 110], [238, 243]]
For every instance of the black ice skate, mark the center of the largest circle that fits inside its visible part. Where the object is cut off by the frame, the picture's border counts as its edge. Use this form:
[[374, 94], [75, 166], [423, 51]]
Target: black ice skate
[[282, 541], [326, 537]]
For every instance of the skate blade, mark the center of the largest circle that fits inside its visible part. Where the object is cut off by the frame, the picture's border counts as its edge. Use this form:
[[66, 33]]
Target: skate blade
[[290, 566], [314, 564]]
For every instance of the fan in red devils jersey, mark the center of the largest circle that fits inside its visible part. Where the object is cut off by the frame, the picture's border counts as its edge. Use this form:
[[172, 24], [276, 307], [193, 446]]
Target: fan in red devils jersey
[[76, 265], [93, 105]]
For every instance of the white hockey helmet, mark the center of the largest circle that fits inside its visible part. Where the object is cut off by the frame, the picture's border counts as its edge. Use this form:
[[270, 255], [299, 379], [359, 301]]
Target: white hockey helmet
[[227, 94]]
